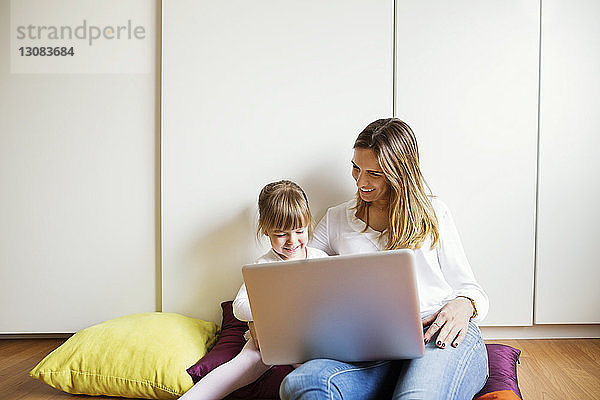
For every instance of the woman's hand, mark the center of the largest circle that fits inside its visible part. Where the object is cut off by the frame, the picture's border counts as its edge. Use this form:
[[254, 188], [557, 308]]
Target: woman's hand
[[451, 321], [253, 333]]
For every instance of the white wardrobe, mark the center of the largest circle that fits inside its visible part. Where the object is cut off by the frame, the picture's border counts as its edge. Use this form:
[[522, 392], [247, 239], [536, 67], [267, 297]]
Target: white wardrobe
[[568, 266], [503, 98], [78, 193], [256, 92]]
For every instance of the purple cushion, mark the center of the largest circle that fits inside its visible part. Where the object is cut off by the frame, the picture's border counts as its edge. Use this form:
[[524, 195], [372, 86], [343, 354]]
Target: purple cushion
[[229, 344], [502, 361]]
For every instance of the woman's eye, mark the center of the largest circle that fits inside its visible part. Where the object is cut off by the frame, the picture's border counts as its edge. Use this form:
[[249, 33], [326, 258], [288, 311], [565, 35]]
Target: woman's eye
[[300, 232], [376, 175]]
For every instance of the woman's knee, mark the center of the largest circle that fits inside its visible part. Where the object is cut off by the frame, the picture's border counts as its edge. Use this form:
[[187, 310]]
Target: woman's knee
[[312, 375], [451, 373], [478, 371], [473, 370], [329, 379], [291, 386]]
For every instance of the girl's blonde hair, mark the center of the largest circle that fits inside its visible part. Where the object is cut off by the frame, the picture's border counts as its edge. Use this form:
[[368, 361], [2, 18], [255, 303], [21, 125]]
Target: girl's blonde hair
[[283, 206], [411, 215]]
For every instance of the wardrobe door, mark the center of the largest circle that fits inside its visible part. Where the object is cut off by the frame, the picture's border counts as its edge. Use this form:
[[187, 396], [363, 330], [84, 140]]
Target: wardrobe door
[[568, 267], [467, 83], [256, 92], [77, 179]]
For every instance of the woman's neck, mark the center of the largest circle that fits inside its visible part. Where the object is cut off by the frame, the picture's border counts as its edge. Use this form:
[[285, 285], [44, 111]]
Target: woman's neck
[[378, 217], [375, 215], [379, 206]]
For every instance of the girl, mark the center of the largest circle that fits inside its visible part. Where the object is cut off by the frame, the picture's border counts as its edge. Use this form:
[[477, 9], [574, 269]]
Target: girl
[[283, 216]]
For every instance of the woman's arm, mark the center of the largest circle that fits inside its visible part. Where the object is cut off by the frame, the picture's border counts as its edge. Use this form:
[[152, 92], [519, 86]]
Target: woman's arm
[[470, 301], [456, 267], [451, 321]]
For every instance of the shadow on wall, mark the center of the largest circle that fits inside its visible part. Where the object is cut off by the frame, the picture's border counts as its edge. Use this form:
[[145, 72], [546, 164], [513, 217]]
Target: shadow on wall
[[217, 256], [323, 191]]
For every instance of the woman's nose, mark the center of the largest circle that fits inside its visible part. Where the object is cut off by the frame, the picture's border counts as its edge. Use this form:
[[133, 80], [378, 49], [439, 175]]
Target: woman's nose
[[361, 179]]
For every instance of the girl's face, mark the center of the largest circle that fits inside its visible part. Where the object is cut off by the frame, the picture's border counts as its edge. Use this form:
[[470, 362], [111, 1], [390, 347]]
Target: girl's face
[[290, 245], [370, 180]]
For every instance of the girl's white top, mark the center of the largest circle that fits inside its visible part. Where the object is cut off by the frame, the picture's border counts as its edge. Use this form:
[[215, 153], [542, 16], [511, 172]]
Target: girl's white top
[[241, 304], [442, 272]]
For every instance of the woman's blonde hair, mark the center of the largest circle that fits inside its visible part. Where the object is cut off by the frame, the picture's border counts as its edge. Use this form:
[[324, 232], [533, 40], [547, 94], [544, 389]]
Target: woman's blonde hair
[[411, 215], [283, 206]]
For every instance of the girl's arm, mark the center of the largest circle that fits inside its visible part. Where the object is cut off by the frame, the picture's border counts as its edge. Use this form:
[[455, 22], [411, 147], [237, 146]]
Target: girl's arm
[[241, 305]]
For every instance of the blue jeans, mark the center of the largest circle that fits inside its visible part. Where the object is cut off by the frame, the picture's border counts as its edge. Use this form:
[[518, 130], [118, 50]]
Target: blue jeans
[[450, 373]]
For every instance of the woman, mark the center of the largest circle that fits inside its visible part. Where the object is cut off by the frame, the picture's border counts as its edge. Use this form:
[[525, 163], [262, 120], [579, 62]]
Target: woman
[[392, 211]]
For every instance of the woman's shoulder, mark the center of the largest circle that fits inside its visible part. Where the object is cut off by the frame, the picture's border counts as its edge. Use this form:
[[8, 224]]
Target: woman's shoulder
[[342, 207], [340, 211], [439, 207], [338, 215]]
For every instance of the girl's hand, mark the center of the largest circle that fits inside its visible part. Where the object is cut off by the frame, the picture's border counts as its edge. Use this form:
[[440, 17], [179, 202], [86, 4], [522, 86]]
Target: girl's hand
[[451, 321], [253, 333]]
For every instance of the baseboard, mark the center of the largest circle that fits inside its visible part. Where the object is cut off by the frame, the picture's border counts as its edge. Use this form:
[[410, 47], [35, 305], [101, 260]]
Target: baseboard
[[35, 335], [540, 332], [489, 332]]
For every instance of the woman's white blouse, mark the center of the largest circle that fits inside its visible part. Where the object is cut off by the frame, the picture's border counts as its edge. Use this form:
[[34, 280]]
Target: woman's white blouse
[[442, 272], [241, 303]]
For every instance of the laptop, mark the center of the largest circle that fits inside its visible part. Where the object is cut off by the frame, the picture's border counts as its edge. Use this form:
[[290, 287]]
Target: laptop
[[352, 308]]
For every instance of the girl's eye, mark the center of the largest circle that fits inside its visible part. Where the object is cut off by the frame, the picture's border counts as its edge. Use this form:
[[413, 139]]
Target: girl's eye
[[375, 174], [280, 234], [299, 232]]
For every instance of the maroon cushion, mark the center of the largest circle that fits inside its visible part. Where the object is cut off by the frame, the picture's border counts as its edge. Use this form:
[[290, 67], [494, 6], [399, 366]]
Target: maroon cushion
[[230, 342], [502, 361]]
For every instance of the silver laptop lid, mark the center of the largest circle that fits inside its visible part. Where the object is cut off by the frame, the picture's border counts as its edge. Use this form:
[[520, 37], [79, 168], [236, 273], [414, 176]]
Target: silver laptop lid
[[358, 307]]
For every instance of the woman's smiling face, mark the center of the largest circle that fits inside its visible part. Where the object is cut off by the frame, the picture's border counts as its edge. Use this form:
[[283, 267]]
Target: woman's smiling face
[[370, 180]]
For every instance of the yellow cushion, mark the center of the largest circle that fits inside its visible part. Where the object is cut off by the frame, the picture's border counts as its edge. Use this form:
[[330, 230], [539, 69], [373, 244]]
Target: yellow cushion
[[139, 356]]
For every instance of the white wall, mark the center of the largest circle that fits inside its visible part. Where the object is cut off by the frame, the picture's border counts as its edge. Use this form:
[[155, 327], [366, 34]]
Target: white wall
[[77, 202], [255, 92]]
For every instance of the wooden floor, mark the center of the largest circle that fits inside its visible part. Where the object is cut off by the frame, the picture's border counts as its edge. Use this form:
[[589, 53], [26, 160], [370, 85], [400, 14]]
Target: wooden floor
[[549, 369], [558, 369]]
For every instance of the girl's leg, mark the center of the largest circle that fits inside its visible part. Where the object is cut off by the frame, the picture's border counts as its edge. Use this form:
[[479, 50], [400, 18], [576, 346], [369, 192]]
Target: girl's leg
[[450, 373], [240, 371], [330, 379]]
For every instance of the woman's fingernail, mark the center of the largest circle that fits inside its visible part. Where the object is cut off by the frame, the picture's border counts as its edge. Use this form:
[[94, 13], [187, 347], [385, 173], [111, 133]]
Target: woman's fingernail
[[455, 344], [439, 343], [443, 345], [426, 340]]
